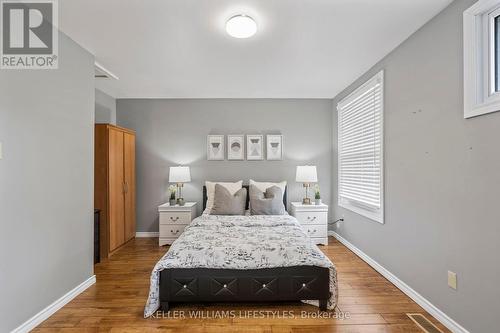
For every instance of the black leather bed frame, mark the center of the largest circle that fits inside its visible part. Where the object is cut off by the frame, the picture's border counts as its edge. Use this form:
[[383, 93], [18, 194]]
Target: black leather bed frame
[[254, 285]]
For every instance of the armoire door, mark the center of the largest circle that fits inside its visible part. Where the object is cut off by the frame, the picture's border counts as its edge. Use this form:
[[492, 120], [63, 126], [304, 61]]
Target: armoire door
[[129, 167], [116, 189]]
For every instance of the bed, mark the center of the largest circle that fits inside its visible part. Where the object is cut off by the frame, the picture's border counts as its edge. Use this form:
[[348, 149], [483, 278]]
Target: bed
[[259, 258]]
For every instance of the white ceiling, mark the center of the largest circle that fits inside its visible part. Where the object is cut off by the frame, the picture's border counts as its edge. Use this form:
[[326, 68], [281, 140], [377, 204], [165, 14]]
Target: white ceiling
[[179, 48]]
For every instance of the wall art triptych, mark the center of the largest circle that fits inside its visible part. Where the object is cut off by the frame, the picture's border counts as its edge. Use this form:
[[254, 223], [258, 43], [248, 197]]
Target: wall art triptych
[[237, 147]]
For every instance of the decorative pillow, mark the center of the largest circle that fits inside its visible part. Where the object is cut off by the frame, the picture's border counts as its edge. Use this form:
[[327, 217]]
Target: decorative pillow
[[226, 203], [269, 202], [232, 188], [263, 186]]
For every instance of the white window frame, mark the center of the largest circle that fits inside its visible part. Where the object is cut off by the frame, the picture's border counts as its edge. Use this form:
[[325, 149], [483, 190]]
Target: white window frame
[[366, 211], [480, 96]]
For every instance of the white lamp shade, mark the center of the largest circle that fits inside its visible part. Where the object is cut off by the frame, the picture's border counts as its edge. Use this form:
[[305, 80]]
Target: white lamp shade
[[179, 174], [306, 174]]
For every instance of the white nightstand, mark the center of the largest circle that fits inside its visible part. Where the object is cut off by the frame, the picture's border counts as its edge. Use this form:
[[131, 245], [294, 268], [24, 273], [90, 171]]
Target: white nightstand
[[173, 220], [314, 220]]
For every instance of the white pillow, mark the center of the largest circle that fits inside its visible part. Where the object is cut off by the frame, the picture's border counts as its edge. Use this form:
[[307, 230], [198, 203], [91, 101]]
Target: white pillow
[[263, 186], [231, 187]]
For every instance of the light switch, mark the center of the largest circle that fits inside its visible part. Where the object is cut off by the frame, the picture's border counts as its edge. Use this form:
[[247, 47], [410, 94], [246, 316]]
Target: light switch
[[452, 280]]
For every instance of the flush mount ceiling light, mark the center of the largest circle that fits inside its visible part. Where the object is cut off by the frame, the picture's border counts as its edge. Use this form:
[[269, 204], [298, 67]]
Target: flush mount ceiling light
[[241, 26]]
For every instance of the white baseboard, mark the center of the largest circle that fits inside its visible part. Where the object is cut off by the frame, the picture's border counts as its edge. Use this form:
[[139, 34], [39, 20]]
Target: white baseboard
[[52, 308], [145, 234], [419, 299]]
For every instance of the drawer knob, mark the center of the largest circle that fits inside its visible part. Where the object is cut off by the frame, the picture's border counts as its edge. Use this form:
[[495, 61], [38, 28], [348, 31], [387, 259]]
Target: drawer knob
[[264, 285], [185, 286], [176, 218], [303, 284], [225, 286]]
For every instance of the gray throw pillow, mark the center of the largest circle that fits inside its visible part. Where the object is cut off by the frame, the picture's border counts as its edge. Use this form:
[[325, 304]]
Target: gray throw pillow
[[267, 203], [227, 204]]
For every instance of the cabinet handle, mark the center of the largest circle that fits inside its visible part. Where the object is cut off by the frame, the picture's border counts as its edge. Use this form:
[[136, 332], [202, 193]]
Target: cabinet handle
[[176, 232], [311, 218], [176, 218]]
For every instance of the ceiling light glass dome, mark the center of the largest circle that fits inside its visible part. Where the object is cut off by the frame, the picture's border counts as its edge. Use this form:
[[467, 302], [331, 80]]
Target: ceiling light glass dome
[[241, 26]]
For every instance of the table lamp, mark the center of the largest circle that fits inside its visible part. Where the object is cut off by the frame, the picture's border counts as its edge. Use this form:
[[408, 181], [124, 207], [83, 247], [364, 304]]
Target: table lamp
[[179, 175], [306, 174]]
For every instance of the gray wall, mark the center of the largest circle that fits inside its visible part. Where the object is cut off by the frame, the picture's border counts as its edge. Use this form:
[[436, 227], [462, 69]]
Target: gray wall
[[105, 108], [442, 185], [173, 132], [46, 177]]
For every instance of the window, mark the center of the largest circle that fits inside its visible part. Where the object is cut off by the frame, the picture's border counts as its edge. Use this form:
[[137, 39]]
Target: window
[[360, 150], [482, 58]]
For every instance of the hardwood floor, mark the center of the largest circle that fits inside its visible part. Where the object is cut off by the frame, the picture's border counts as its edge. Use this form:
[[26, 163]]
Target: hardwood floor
[[115, 303]]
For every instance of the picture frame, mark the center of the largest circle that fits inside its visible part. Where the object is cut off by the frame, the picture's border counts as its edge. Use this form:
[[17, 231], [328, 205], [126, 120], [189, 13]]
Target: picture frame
[[215, 147], [236, 147], [255, 147], [274, 147]]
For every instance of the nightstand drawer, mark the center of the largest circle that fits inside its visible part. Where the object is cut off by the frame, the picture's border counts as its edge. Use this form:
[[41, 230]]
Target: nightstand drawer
[[314, 230], [171, 230], [175, 217], [312, 217]]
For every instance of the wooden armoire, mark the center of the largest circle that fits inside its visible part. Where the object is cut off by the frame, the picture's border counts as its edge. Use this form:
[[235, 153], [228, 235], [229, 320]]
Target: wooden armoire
[[114, 186]]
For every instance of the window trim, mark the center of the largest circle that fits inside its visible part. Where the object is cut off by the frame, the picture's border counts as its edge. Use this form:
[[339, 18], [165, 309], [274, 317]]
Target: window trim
[[377, 215], [480, 96], [490, 72]]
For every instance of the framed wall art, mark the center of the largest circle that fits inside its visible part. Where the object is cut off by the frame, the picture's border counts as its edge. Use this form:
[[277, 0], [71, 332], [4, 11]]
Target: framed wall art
[[235, 147], [215, 147], [255, 147], [274, 147]]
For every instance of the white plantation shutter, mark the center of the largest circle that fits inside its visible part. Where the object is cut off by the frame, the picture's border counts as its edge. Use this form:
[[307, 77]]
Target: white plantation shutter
[[360, 146]]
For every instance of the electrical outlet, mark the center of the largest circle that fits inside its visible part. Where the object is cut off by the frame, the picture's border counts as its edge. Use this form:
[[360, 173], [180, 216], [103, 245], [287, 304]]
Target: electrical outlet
[[452, 280], [341, 220]]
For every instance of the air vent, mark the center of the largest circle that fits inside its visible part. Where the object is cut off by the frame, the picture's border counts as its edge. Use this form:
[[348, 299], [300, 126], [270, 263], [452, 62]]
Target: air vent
[[423, 323], [98, 74], [102, 73]]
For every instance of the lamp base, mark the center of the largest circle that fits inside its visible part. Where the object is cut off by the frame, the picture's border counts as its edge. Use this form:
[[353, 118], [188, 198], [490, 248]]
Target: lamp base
[[306, 201]]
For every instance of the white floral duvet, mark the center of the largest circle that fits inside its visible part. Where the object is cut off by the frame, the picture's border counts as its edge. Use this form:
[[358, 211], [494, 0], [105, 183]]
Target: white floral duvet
[[241, 242]]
